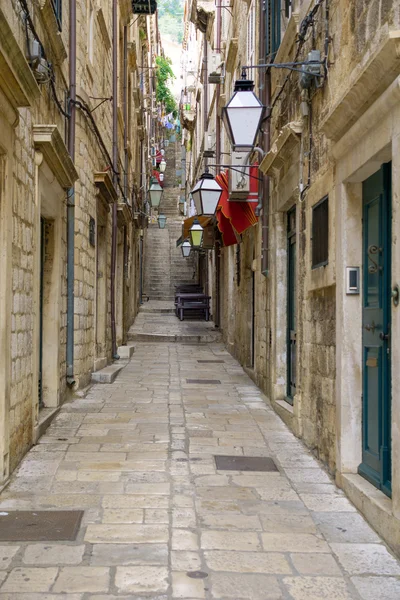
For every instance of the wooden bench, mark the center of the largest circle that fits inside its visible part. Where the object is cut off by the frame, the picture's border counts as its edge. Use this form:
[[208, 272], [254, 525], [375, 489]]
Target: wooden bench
[[192, 302]]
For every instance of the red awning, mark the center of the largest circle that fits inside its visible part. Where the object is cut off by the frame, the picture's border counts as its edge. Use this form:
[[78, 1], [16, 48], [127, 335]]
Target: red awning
[[234, 218]]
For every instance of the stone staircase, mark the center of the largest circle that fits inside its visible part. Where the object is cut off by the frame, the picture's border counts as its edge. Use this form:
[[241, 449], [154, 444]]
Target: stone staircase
[[164, 265]]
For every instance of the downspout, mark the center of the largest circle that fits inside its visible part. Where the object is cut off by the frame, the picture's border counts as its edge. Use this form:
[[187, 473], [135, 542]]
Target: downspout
[[265, 83], [218, 162], [125, 103], [115, 166], [205, 98], [71, 196], [217, 95]]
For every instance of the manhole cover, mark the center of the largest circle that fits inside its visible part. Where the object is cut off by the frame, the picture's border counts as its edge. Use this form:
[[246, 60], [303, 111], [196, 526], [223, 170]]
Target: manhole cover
[[205, 381], [211, 361], [245, 463], [39, 526], [197, 574]]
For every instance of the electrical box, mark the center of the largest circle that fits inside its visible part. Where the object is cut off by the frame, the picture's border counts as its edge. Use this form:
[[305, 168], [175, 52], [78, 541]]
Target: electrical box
[[312, 70], [239, 180]]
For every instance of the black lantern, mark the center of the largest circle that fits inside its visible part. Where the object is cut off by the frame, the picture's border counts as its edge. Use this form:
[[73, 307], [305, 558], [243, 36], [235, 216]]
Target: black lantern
[[206, 194], [155, 193], [242, 116], [196, 234], [186, 248]]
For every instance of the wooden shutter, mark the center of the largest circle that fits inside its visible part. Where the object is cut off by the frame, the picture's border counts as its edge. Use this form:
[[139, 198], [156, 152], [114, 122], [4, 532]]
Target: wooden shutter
[[320, 233]]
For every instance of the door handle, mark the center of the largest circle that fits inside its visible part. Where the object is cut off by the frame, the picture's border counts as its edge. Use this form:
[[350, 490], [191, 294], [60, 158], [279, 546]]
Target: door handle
[[384, 336], [371, 327]]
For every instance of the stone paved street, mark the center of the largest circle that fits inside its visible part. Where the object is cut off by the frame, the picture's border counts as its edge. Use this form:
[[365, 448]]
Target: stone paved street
[[138, 457]]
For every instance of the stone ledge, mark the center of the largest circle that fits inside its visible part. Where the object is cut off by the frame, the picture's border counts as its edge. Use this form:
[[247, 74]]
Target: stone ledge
[[55, 37], [16, 77], [100, 363], [125, 351], [46, 416], [374, 505], [365, 85], [48, 140], [108, 374]]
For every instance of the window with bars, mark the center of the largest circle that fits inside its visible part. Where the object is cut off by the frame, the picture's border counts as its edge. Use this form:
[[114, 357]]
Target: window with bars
[[57, 7], [273, 25], [320, 233], [238, 265]]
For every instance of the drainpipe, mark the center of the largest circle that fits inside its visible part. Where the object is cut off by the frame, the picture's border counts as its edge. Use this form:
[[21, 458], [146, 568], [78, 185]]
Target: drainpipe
[[205, 98], [218, 92], [265, 84], [115, 165], [125, 103], [71, 196]]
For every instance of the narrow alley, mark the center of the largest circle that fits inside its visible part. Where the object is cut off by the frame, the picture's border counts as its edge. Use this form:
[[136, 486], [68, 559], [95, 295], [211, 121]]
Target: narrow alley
[[162, 519], [199, 300]]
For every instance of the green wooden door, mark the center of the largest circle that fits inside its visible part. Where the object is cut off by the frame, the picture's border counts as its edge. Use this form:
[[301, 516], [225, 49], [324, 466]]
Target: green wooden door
[[41, 299], [376, 456], [291, 335]]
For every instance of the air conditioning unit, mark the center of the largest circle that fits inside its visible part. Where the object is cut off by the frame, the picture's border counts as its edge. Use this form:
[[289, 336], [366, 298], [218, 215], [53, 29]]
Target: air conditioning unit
[[215, 70], [239, 180], [209, 145]]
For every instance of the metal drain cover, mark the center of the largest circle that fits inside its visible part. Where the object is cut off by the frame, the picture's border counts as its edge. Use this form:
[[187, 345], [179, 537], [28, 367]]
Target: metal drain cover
[[39, 526], [211, 361], [205, 381], [197, 574], [245, 463]]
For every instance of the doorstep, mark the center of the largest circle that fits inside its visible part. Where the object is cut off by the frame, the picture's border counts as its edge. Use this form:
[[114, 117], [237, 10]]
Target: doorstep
[[108, 374], [46, 415], [374, 505]]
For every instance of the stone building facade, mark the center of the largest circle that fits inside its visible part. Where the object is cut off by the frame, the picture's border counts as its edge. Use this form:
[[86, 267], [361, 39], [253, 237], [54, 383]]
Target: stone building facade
[[307, 299], [42, 183]]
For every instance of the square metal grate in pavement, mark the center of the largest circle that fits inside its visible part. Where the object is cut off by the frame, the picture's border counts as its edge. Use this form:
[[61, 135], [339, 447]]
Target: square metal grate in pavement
[[39, 526], [245, 463], [205, 381]]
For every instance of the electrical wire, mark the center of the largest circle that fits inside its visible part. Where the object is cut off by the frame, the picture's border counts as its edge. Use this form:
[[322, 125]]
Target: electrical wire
[[29, 22]]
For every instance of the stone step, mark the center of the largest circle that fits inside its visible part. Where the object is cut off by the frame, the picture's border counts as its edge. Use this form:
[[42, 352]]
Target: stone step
[[207, 338], [125, 351], [108, 374]]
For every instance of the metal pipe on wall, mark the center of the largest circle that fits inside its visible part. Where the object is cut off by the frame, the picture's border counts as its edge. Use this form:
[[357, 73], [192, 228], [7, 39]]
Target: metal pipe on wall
[[71, 196], [265, 92], [115, 165], [218, 93], [125, 109]]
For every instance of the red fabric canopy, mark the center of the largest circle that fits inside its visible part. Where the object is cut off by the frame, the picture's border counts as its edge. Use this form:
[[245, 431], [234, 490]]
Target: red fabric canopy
[[235, 217]]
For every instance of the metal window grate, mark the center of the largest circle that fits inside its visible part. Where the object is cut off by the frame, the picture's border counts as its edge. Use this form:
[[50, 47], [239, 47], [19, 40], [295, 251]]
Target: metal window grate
[[320, 233]]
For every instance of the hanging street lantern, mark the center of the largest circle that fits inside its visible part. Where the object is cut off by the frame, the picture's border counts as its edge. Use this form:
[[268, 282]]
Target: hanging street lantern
[[196, 234], [162, 219], [155, 193], [163, 165], [206, 194], [166, 143], [186, 249], [162, 152], [242, 116]]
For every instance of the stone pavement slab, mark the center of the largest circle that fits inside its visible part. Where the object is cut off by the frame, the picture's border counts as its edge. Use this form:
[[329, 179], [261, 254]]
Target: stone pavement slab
[[161, 522]]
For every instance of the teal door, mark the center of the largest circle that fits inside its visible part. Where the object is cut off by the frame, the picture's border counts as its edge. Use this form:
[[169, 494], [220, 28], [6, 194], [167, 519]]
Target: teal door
[[376, 455], [291, 336]]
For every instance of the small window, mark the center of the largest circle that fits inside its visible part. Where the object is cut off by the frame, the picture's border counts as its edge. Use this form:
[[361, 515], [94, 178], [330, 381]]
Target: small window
[[57, 7], [288, 8], [238, 265], [251, 19], [320, 233]]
